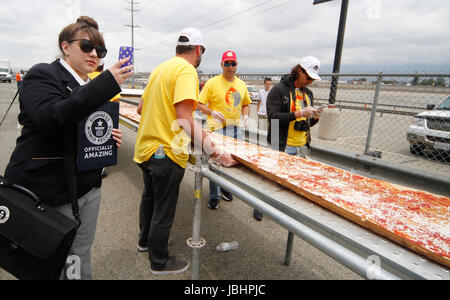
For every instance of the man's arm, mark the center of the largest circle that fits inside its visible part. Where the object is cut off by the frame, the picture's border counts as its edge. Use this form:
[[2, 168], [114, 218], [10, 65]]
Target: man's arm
[[245, 110], [139, 109], [245, 115], [218, 116], [198, 135], [204, 109]]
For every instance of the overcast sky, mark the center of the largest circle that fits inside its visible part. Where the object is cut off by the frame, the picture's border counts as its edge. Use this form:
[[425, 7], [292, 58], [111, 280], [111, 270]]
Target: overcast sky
[[268, 35]]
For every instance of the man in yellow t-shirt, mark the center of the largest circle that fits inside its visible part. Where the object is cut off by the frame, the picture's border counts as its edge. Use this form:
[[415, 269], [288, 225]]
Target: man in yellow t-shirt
[[225, 98], [165, 131]]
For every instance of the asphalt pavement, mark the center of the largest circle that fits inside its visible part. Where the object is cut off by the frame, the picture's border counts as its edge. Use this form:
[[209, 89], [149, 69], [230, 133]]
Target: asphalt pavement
[[261, 250]]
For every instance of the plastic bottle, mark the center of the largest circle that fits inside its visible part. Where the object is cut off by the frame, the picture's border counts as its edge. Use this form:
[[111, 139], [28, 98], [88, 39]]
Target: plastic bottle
[[227, 246], [160, 154]]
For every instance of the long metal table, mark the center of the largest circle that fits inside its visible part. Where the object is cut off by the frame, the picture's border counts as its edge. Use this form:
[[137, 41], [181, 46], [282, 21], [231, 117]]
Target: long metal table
[[366, 253]]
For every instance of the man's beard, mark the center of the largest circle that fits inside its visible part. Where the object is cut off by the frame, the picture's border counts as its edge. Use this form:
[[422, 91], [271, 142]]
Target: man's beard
[[198, 61]]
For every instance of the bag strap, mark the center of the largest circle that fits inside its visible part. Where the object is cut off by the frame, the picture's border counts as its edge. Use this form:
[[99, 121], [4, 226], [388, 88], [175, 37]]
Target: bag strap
[[71, 174], [7, 111]]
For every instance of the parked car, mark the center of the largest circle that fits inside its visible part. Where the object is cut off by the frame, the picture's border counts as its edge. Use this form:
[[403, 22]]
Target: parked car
[[5, 71], [430, 132], [254, 95]]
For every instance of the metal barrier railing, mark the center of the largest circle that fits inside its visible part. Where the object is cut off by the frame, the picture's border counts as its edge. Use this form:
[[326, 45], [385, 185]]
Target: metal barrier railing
[[377, 116]]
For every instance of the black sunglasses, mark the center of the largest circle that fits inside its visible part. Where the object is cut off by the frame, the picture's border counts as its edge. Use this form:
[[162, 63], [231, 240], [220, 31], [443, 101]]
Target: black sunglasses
[[227, 64], [307, 76], [86, 46]]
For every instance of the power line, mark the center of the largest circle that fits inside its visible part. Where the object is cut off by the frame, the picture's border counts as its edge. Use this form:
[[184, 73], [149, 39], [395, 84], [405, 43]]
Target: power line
[[176, 13], [227, 2], [257, 13], [237, 14], [216, 22]]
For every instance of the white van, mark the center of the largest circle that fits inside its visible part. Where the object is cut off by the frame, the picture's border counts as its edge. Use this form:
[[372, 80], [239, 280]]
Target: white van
[[5, 71]]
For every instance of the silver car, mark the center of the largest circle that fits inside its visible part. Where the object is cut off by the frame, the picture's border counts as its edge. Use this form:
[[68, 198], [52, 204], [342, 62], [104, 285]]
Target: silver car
[[254, 93], [430, 132]]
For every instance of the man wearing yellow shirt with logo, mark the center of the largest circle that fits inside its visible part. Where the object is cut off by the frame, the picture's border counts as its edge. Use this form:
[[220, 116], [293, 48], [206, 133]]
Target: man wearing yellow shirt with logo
[[225, 99], [165, 131]]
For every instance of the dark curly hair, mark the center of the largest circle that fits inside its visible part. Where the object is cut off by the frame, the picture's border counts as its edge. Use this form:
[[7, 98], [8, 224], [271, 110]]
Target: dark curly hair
[[294, 72]]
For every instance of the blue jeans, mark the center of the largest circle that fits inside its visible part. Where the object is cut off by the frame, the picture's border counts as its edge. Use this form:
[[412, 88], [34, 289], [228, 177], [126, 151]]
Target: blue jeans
[[297, 151], [231, 131]]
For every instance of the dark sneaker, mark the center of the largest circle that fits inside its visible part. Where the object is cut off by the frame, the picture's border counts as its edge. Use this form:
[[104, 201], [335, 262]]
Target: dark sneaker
[[227, 196], [257, 215], [145, 248], [104, 173], [142, 248], [213, 203], [173, 266]]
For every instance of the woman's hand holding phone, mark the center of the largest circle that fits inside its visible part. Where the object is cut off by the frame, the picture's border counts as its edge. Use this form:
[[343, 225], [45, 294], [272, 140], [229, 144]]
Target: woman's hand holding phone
[[119, 73]]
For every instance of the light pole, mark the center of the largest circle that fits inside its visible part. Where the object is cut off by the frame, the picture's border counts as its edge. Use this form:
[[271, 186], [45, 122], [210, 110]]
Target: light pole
[[339, 46]]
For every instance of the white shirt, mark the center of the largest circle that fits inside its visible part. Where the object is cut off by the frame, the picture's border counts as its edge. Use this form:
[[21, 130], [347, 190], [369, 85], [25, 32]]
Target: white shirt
[[73, 73], [262, 107]]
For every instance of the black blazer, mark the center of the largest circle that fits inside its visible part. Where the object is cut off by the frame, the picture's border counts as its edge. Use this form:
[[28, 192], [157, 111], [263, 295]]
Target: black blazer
[[51, 104]]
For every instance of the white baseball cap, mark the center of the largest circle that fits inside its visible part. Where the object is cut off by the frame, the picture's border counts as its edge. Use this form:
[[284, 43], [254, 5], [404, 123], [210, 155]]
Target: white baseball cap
[[312, 66], [193, 35]]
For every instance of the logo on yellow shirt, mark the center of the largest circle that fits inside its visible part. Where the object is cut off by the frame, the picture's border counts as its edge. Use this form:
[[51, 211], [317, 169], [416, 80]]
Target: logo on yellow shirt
[[232, 97]]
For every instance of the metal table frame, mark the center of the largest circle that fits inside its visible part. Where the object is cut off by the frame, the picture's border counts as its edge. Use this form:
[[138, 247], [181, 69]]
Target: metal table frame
[[367, 254]]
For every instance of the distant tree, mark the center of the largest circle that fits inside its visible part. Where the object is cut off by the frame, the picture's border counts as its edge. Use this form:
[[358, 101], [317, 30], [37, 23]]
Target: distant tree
[[415, 80], [440, 82], [428, 82]]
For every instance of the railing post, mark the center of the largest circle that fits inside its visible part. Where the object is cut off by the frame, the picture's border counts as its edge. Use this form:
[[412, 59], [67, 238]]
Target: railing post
[[196, 243], [373, 114]]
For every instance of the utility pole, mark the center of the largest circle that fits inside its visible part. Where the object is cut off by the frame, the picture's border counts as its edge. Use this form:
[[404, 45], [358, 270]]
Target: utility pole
[[339, 46], [338, 55], [132, 26]]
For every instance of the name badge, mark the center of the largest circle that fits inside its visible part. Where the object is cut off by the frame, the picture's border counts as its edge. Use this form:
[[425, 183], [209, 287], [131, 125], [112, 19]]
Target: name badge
[[96, 148]]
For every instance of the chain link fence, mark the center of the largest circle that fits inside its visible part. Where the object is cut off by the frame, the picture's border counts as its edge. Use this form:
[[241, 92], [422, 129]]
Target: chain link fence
[[399, 118]]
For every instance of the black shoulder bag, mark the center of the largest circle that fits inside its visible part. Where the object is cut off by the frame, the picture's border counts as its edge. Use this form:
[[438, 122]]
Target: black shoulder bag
[[35, 239]]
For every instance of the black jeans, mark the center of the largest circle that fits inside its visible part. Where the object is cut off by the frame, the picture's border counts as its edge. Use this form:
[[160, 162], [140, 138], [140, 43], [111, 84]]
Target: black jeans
[[162, 179]]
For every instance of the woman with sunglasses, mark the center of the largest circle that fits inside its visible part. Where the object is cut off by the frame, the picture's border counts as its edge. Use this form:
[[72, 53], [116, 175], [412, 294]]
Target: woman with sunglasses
[[53, 99]]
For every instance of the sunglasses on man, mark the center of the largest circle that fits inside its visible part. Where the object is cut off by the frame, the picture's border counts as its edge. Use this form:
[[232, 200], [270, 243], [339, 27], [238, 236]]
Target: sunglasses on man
[[86, 46], [307, 76], [228, 64]]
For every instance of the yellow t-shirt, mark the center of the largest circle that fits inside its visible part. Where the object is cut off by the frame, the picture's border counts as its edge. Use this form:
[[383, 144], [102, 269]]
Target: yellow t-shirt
[[95, 74], [173, 81], [298, 138], [226, 97]]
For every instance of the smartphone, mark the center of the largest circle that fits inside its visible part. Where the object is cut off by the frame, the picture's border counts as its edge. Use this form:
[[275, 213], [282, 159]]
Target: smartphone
[[125, 52], [322, 107]]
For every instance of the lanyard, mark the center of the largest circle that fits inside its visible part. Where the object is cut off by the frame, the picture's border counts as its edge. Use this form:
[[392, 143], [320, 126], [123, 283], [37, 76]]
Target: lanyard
[[305, 100]]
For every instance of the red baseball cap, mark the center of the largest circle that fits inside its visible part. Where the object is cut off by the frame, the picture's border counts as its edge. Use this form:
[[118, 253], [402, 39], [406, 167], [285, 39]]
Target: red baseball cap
[[229, 56]]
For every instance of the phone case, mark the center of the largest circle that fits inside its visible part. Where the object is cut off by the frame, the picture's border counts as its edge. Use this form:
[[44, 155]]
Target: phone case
[[125, 52]]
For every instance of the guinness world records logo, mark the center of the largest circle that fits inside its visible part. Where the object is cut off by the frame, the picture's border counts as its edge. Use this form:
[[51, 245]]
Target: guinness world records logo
[[4, 214], [98, 128]]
